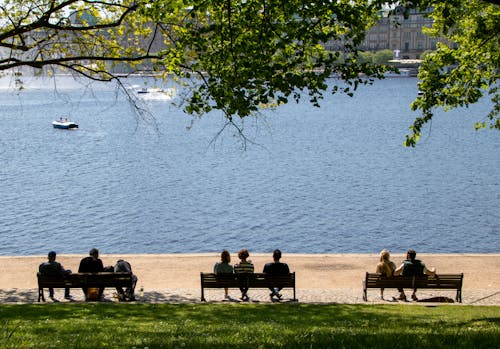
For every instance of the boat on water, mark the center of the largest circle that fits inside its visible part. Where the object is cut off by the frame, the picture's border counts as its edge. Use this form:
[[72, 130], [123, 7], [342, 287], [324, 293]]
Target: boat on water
[[64, 124], [156, 93]]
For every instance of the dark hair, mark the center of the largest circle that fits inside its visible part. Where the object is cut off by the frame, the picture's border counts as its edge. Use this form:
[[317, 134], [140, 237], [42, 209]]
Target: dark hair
[[94, 252], [243, 254], [52, 254], [225, 257], [411, 254], [277, 254]]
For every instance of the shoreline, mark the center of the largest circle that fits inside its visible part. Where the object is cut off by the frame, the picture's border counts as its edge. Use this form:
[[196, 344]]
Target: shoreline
[[321, 278]]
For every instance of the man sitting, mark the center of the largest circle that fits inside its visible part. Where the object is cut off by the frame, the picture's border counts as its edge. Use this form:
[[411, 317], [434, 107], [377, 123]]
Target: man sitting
[[125, 267], [276, 268], [53, 268], [92, 264], [412, 267]]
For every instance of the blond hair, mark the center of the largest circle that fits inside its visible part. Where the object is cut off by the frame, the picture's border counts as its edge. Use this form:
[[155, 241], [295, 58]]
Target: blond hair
[[386, 266]]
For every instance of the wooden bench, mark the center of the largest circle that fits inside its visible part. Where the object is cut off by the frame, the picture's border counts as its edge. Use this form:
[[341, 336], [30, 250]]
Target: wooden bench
[[251, 280], [441, 281], [83, 280]]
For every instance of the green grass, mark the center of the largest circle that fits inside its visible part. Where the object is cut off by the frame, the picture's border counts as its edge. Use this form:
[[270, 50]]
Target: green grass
[[105, 325]]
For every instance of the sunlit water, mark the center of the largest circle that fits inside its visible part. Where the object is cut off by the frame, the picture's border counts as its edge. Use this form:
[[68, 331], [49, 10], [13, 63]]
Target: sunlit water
[[330, 180]]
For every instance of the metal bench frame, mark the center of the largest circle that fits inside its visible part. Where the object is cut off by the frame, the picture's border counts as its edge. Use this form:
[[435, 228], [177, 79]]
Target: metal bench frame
[[246, 280], [441, 281], [83, 280]]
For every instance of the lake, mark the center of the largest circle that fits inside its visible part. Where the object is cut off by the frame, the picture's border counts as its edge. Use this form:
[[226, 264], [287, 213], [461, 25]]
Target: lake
[[330, 180]]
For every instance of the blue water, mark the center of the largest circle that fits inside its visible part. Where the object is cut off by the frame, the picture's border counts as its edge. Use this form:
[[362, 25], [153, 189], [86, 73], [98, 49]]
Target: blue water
[[330, 180]]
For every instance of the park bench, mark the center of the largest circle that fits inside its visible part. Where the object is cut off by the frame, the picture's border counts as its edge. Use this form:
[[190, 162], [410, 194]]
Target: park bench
[[441, 281], [83, 280], [246, 280]]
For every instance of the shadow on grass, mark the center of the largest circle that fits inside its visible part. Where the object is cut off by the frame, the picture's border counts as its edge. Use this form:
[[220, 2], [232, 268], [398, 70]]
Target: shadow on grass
[[289, 313]]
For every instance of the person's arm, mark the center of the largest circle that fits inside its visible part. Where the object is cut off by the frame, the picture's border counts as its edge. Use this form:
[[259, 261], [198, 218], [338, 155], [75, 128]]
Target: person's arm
[[128, 267], [399, 270], [430, 272], [266, 268], [62, 271], [81, 267]]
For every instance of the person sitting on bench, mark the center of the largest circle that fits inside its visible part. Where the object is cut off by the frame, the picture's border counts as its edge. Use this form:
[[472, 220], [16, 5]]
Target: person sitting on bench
[[53, 268], [276, 268], [385, 267], [92, 264], [244, 267], [223, 267], [129, 294], [412, 267]]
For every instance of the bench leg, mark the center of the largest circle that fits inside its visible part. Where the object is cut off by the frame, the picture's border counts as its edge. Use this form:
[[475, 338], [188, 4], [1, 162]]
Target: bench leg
[[40, 294], [203, 295]]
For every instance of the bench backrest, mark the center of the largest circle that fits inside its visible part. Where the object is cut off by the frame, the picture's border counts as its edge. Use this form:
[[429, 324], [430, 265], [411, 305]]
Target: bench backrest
[[374, 280], [105, 279], [211, 280], [108, 279]]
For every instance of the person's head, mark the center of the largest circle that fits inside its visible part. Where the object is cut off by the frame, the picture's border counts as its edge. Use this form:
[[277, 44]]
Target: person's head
[[384, 256], [411, 254], [225, 257], [276, 255], [243, 254], [94, 253], [52, 256]]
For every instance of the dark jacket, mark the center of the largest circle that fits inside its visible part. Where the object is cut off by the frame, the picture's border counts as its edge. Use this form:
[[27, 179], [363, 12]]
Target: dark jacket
[[90, 265], [276, 268], [413, 267], [52, 269]]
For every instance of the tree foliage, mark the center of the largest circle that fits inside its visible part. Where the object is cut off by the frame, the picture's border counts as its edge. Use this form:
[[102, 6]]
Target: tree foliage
[[465, 66], [82, 36], [254, 52], [240, 54], [383, 56]]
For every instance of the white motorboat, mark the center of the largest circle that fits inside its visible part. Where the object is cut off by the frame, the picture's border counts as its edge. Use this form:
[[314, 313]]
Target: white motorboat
[[64, 124]]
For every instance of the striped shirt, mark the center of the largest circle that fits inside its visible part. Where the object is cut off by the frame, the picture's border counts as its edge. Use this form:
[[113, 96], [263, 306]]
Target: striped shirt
[[243, 267]]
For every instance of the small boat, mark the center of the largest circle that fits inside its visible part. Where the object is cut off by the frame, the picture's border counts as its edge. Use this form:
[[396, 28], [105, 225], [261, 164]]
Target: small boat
[[64, 124], [156, 93]]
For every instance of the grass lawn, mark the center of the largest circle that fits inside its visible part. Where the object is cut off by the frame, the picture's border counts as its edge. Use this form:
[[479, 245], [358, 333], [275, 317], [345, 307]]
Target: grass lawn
[[110, 325]]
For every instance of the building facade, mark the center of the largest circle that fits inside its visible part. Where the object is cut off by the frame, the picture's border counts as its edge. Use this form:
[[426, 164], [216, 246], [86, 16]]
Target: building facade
[[401, 35]]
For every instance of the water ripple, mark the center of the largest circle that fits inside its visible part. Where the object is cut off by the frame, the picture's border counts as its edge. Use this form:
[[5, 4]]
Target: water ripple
[[334, 179]]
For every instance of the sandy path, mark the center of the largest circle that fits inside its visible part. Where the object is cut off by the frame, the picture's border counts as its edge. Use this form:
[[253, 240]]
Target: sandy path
[[318, 275]]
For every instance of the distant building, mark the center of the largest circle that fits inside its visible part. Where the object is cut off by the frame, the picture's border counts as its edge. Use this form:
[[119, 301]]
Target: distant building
[[401, 35]]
